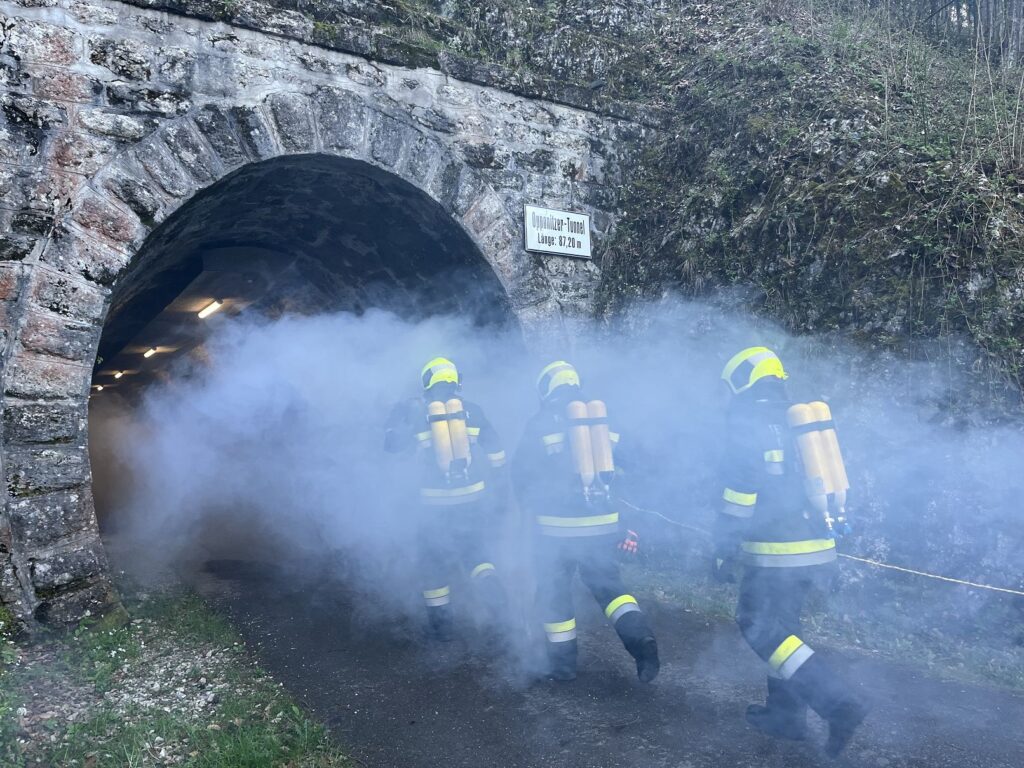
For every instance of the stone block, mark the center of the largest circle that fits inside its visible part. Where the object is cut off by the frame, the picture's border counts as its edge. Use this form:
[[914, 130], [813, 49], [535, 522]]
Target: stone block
[[342, 116], [115, 125], [62, 85], [176, 65], [129, 183], [292, 115], [93, 14], [80, 152], [107, 222], [57, 336], [16, 247], [56, 570], [484, 212], [39, 189], [149, 99], [128, 59], [468, 187], [11, 281], [214, 124], [46, 43], [96, 598], [255, 132], [182, 139], [31, 222], [388, 137], [164, 169], [42, 470], [65, 296], [422, 159], [26, 423], [32, 376], [39, 521], [71, 252]]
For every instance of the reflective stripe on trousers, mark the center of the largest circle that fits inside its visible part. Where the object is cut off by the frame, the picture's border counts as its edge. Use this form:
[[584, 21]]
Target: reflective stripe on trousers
[[620, 606], [738, 504], [447, 497], [789, 657], [482, 570], [437, 597], [573, 527], [788, 554], [561, 631]]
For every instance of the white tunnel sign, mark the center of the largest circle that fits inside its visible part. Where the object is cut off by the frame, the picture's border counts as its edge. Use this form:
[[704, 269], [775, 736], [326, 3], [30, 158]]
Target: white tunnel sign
[[561, 232]]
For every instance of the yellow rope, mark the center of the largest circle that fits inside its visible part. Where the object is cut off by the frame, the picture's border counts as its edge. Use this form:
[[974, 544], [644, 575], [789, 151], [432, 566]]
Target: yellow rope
[[864, 560]]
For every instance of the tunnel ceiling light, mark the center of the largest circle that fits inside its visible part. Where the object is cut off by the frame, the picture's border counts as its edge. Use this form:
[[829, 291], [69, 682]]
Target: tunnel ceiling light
[[149, 352], [118, 374], [99, 387], [210, 308]]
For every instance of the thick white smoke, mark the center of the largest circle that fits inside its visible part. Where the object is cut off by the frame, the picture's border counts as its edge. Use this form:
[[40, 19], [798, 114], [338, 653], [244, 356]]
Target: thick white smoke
[[274, 449]]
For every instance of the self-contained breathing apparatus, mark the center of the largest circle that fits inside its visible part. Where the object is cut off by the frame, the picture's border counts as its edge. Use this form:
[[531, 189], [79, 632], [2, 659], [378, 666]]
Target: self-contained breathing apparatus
[[825, 480], [590, 442], [450, 438]]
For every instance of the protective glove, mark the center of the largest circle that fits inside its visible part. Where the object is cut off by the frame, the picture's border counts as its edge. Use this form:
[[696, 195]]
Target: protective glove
[[723, 566], [631, 544]]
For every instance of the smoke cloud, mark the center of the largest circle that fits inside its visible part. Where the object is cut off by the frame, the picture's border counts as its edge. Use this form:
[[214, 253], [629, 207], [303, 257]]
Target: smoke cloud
[[273, 447]]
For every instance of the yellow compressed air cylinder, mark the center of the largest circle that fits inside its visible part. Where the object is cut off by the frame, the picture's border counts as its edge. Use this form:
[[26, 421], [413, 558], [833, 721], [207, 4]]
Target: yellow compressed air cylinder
[[600, 440], [457, 430], [812, 453], [840, 483], [579, 440], [440, 435]]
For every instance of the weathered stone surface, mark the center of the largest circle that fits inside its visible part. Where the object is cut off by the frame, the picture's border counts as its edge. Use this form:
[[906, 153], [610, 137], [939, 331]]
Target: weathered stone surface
[[255, 132], [16, 247], [61, 337], [53, 571], [214, 124], [95, 598], [292, 116], [42, 470], [113, 117], [71, 252], [51, 423], [39, 521], [125, 58], [32, 376], [66, 296], [107, 222], [343, 119]]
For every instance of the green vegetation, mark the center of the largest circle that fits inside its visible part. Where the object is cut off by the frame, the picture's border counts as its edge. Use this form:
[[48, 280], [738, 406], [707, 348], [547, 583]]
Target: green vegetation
[[851, 175], [174, 685]]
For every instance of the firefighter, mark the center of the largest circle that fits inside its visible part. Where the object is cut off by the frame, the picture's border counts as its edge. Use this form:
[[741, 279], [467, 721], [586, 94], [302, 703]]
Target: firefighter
[[461, 496], [785, 543], [562, 473]]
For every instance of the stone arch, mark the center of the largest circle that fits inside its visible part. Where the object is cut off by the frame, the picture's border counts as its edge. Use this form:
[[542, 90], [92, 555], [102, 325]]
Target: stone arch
[[57, 570]]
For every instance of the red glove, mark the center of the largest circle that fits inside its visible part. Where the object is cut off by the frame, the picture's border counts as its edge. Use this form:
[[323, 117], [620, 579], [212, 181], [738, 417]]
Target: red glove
[[631, 544]]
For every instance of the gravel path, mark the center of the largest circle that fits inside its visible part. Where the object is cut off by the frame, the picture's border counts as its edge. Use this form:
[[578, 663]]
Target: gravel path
[[393, 700]]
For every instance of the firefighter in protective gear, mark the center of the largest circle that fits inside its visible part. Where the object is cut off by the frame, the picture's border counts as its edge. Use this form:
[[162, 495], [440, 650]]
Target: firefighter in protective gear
[[461, 496], [769, 521], [563, 471]]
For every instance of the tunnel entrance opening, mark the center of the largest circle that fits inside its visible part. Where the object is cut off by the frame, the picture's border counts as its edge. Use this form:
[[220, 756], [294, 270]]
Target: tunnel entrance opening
[[295, 236]]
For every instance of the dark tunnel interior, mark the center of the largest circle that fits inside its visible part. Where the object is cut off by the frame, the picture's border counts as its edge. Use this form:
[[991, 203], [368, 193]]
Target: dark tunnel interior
[[304, 234], [301, 235]]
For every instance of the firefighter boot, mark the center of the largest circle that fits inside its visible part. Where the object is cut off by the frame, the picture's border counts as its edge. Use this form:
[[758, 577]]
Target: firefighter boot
[[830, 696], [638, 639], [562, 660], [783, 715], [439, 624]]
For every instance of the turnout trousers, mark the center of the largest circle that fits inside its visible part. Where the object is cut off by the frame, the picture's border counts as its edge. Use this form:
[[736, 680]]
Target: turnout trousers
[[771, 602], [459, 539], [557, 561]]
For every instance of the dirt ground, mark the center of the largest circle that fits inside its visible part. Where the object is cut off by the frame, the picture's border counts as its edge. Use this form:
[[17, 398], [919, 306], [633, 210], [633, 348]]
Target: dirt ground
[[395, 700]]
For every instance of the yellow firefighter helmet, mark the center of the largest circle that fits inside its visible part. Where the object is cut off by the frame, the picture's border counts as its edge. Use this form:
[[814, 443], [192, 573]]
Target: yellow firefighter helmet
[[750, 366], [439, 370], [555, 375]]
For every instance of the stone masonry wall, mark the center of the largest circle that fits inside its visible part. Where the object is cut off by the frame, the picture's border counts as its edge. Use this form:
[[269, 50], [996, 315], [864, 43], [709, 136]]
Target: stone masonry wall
[[112, 116]]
